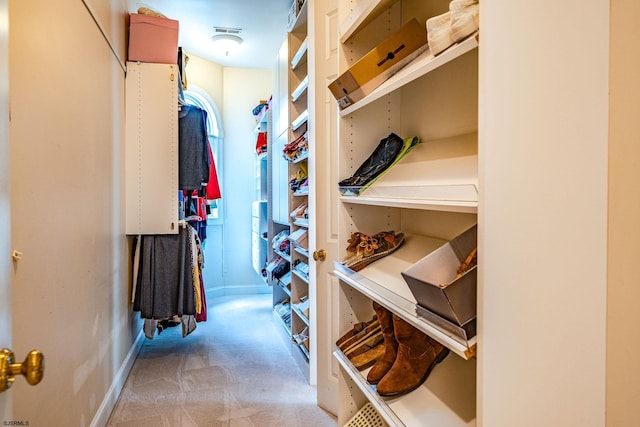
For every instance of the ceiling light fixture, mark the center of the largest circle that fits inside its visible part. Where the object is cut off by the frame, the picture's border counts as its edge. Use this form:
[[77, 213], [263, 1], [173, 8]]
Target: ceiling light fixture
[[226, 42]]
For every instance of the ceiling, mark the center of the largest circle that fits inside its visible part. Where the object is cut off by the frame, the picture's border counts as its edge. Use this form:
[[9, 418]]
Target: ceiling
[[263, 24]]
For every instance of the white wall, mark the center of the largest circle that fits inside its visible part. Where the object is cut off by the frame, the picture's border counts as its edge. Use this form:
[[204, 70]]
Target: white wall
[[236, 91], [543, 213], [242, 89]]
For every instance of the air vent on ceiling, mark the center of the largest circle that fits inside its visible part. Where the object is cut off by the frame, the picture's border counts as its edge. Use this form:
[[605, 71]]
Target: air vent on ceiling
[[225, 30]]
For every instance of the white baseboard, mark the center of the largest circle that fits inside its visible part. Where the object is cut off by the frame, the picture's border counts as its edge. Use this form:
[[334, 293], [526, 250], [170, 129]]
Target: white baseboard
[[238, 290], [109, 402]]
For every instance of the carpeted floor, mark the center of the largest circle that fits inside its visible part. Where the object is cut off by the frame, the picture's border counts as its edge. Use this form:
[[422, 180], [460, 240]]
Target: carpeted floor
[[234, 370]]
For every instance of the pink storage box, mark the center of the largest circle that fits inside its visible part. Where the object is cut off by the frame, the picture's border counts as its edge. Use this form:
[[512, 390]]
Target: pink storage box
[[153, 39]]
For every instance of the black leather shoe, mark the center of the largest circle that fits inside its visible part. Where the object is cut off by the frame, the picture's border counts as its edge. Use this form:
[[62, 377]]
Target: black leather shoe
[[381, 158]]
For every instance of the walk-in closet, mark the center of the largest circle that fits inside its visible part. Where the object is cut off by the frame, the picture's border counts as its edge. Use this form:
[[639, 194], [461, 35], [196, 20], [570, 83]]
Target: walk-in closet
[[319, 213]]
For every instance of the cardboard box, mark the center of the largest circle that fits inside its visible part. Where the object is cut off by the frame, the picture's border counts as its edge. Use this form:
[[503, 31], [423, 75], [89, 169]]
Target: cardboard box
[[380, 63], [153, 39], [433, 284]]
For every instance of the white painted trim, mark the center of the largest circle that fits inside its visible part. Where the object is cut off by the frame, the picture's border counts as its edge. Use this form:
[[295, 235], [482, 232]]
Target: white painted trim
[[238, 290], [109, 402]]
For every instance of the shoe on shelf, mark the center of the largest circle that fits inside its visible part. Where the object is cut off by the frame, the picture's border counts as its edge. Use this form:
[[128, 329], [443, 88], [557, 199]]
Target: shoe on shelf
[[453, 26], [373, 248], [354, 244], [464, 18], [384, 363], [439, 35], [303, 305], [377, 162], [296, 148], [417, 356], [299, 212], [299, 238], [302, 336], [345, 340], [368, 352]]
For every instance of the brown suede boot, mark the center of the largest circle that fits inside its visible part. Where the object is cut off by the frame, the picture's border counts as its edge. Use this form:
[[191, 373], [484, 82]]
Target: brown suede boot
[[383, 365], [417, 355]]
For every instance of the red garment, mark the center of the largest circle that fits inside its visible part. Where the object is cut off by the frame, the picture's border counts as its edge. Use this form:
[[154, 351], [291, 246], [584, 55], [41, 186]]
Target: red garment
[[202, 316], [213, 187], [261, 143]]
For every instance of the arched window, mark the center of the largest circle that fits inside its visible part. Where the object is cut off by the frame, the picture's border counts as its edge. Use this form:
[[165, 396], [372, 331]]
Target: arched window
[[199, 98]]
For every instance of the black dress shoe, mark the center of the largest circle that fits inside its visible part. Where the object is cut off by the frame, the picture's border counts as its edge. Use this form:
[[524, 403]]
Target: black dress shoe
[[381, 158]]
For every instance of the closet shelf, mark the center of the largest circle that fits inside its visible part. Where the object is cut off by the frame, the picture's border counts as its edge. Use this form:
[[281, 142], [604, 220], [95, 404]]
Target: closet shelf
[[303, 252], [433, 205], [301, 222], [301, 19], [445, 399], [300, 120], [300, 314], [282, 254], [301, 275], [261, 121], [284, 288], [363, 13], [300, 89], [423, 180], [285, 280], [303, 192], [299, 55], [304, 350], [301, 157], [420, 66], [382, 282], [281, 321]]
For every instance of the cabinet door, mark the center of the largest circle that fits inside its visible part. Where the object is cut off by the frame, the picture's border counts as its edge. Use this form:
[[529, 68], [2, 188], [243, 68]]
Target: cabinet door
[[323, 197], [151, 153]]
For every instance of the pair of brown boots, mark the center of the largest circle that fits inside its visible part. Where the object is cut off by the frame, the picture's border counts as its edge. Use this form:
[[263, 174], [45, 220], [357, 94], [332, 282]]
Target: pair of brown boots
[[364, 344], [409, 356]]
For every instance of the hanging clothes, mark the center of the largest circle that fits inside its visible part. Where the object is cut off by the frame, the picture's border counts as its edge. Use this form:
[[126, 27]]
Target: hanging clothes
[[213, 186], [193, 148], [167, 282]]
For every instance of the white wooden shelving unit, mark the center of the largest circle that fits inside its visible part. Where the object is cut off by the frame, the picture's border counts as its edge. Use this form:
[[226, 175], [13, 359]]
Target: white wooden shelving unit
[[151, 151], [260, 208], [431, 196], [298, 83]]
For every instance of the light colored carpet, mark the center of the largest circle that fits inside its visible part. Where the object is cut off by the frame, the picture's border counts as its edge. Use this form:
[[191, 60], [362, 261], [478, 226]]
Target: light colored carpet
[[234, 370]]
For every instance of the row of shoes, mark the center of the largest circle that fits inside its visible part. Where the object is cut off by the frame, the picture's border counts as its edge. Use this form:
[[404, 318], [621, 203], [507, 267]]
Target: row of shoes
[[300, 212], [458, 23], [283, 309], [301, 337], [300, 180], [285, 280], [303, 305], [297, 148], [386, 154], [301, 267], [278, 267], [400, 356], [299, 238], [364, 249], [280, 241]]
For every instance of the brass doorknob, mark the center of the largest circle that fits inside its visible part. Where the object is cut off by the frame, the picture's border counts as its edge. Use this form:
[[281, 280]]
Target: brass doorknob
[[32, 368], [320, 255]]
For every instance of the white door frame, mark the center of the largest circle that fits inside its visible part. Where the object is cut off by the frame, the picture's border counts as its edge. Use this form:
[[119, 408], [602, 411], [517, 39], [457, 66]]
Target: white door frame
[[5, 223], [323, 194]]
